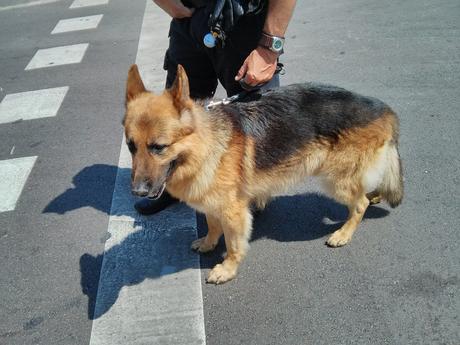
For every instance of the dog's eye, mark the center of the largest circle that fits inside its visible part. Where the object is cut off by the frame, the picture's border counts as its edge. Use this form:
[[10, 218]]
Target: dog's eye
[[157, 148], [131, 146]]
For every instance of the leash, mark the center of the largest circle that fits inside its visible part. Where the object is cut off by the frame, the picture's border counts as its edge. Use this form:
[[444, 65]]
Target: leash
[[225, 101], [247, 89]]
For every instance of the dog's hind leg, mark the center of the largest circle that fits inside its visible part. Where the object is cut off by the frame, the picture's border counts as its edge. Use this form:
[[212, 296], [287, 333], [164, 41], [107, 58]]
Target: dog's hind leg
[[356, 208], [209, 242], [236, 223]]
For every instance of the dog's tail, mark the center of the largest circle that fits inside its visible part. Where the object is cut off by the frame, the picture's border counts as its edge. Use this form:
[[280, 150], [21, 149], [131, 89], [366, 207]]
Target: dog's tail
[[392, 188]]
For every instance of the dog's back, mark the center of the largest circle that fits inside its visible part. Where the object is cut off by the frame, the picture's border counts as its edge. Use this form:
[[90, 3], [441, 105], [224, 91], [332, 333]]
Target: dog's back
[[315, 129], [285, 119]]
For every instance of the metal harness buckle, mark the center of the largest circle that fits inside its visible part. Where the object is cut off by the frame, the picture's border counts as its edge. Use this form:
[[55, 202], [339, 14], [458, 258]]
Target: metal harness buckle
[[223, 101]]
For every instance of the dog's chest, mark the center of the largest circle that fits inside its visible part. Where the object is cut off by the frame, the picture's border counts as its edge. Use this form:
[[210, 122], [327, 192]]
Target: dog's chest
[[198, 207]]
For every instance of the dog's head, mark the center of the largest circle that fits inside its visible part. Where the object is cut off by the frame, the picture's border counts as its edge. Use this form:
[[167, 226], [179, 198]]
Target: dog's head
[[156, 129]]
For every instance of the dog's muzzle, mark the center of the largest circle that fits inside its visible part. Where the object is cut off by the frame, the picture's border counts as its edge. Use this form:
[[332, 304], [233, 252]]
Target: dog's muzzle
[[147, 189]]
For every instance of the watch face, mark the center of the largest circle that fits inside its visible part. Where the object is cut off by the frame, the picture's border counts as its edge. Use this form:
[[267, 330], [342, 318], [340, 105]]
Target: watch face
[[277, 44]]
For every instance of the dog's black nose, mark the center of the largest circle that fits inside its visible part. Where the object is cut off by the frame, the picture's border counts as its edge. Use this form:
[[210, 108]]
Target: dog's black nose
[[140, 189]]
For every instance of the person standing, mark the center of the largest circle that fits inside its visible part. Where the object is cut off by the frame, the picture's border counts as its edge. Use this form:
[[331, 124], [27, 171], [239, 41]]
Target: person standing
[[249, 38]]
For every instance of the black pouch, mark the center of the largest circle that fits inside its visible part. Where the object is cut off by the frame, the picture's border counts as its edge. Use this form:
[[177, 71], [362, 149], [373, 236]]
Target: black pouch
[[227, 13]]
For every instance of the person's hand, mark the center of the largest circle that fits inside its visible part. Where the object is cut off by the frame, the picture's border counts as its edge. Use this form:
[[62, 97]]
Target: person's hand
[[175, 8], [259, 67]]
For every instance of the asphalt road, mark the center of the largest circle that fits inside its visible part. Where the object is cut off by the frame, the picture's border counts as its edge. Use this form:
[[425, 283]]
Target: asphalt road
[[63, 210], [397, 282]]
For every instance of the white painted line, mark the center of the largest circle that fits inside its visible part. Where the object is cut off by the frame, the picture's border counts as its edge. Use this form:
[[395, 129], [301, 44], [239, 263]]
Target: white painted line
[[150, 283], [58, 56], [14, 174], [77, 24], [32, 104], [87, 3], [27, 4]]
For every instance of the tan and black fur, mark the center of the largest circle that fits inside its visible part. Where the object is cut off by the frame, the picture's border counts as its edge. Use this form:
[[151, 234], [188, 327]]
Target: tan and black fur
[[222, 161]]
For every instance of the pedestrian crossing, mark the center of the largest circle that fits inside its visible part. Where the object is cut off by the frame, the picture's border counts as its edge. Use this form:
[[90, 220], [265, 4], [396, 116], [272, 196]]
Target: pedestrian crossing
[[14, 174], [32, 105], [86, 3], [166, 305], [77, 24], [57, 56], [37, 104]]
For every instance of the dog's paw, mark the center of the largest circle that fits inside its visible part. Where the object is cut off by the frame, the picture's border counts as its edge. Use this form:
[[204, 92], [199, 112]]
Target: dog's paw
[[202, 246], [338, 239], [375, 200], [220, 274]]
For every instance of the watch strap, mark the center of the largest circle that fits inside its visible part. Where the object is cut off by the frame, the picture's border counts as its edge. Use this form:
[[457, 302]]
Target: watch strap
[[266, 41]]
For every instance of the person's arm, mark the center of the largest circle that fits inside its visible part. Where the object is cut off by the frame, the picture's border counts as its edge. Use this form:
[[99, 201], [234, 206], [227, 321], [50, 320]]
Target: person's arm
[[175, 8], [260, 65]]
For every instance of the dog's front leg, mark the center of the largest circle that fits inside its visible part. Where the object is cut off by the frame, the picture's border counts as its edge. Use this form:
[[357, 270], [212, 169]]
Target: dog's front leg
[[209, 242], [236, 224]]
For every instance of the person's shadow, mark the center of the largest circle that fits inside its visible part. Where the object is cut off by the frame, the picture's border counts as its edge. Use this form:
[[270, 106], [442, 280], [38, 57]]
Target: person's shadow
[[93, 188], [146, 253]]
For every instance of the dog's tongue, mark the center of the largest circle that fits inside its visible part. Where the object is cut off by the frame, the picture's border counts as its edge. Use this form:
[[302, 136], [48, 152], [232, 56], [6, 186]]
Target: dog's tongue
[[158, 194]]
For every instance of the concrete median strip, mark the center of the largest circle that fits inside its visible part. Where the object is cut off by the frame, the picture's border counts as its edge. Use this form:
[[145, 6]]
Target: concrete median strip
[[150, 284]]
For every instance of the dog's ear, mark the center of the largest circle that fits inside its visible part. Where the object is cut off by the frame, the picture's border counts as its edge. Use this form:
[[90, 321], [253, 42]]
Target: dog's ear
[[134, 84], [180, 90]]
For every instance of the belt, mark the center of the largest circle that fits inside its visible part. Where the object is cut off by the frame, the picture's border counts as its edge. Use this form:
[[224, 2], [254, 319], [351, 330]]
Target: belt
[[195, 3]]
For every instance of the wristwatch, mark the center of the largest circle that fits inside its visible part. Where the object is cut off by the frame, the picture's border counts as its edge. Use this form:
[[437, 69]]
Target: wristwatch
[[274, 43]]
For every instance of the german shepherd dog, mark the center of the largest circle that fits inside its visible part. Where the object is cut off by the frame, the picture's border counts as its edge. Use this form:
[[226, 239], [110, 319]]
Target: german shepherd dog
[[226, 160]]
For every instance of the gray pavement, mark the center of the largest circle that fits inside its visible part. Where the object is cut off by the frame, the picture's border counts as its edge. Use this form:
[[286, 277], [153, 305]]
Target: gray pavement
[[63, 211], [395, 283]]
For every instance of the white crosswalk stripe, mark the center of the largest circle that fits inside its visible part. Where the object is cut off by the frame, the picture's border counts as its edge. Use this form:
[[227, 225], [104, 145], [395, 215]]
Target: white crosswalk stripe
[[58, 56], [32, 104], [13, 176], [150, 282], [87, 3], [77, 24], [27, 4], [154, 296]]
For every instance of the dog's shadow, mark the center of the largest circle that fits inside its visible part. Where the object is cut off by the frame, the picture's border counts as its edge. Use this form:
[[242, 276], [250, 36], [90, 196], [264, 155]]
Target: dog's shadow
[[146, 253], [302, 217]]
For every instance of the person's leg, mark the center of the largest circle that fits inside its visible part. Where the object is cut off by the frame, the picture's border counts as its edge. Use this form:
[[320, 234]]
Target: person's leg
[[186, 48], [183, 49]]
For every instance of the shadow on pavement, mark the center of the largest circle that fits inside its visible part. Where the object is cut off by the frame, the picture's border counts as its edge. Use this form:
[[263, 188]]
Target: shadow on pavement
[[146, 253], [93, 188], [302, 217]]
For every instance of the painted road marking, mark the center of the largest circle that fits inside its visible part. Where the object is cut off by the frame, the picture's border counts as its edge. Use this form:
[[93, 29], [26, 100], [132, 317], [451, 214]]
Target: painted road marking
[[14, 174], [58, 56], [150, 282], [77, 24], [86, 3], [27, 4], [32, 104]]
